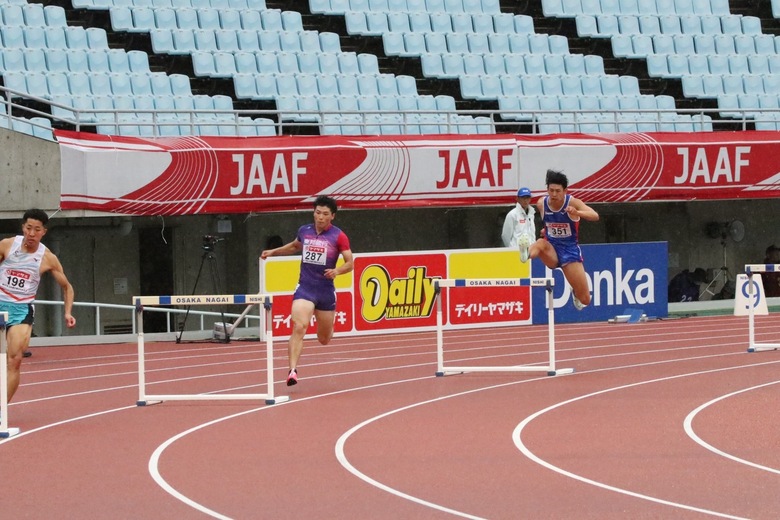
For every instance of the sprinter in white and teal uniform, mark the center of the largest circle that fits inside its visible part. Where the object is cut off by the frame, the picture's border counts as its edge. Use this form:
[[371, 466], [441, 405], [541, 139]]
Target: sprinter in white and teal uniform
[[559, 245], [23, 259]]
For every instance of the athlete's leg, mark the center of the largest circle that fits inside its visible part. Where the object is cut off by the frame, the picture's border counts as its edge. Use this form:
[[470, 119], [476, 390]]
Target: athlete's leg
[[18, 338], [324, 325], [575, 275], [545, 252], [301, 313]]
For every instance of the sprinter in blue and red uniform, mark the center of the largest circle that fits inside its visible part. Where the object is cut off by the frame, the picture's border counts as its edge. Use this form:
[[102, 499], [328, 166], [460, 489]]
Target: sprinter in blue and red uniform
[[321, 244], [559, 246]]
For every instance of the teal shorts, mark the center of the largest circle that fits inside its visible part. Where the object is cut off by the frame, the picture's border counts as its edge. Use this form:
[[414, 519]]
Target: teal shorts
[[18, 313]]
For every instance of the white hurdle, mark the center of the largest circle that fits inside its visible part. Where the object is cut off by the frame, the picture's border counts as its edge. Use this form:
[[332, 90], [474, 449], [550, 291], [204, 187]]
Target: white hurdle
[[751, 269], [265, 300], [547, 283], [5, 431]]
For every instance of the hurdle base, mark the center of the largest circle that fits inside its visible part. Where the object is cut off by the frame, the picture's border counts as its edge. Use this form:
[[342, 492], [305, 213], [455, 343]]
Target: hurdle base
[[760, 347], [520, 368], [278, 399], [147, 403], [10, 432]]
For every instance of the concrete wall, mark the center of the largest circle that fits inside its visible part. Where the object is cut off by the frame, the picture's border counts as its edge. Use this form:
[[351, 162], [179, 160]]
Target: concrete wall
[[101, 253]]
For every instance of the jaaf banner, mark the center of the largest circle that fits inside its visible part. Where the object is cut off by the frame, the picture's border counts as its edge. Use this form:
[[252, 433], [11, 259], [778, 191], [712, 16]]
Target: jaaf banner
[[206, 175]]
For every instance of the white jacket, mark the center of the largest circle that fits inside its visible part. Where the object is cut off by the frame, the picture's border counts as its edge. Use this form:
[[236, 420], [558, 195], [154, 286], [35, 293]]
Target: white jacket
[[518, 222]]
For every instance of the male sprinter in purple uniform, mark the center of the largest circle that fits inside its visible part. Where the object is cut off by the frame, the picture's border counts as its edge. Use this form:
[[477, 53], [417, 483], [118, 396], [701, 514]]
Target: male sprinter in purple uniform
[[315, 295], [559, 247]]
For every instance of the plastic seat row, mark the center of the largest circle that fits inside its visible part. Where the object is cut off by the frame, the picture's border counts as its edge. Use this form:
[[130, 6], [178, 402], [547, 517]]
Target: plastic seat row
[[623, 123], [34, 126], [380, 23], [592, 103], [144, 19], [165, 115], [640, 46], [185, 41], [409, 124], [176, 4], [455, 65], [608, 25], [55, 85], [270, 86], [493, 87], [405, 6], [417, 44], [53, 37], [677, 66], [32, 15], [69, 60], [572, 8], [225, 64], [762, 107], [710, 86]]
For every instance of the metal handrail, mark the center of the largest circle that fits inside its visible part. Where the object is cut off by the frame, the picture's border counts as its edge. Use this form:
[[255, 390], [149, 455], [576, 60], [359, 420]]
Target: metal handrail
[[282, 120]]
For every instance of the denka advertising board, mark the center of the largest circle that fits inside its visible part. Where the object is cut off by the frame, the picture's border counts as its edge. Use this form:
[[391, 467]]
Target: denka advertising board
[[395, 292]]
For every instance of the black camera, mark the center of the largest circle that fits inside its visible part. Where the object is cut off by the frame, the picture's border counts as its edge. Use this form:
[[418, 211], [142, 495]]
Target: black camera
[[209, 241]]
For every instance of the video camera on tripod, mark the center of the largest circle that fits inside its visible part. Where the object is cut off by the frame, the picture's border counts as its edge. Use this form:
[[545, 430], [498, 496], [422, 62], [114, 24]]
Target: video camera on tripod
[[209, 241]]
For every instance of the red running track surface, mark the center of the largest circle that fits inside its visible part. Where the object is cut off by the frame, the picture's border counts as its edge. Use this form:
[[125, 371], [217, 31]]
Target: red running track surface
[[664, 419]]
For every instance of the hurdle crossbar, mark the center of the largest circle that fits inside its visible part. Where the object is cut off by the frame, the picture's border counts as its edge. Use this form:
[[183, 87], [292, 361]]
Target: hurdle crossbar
[[751, 269], [5, 430], [266, 300], [548, 283]]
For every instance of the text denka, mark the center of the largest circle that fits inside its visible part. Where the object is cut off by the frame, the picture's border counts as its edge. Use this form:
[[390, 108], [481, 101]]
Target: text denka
[[485, 170], [702, 166], [282, 177]]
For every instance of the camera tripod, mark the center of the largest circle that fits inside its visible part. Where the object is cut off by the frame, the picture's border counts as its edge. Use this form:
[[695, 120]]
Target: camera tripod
[[207, 256], [723, 273]]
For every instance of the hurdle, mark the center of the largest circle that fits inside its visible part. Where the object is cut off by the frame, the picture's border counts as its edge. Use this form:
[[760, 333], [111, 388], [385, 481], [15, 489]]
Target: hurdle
[[547, 283], [750, 270], [266, 300]]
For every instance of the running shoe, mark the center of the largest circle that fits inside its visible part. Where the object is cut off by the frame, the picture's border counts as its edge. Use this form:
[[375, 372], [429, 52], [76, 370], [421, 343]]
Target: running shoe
[[577, 304], [523, 243], [292, 377]]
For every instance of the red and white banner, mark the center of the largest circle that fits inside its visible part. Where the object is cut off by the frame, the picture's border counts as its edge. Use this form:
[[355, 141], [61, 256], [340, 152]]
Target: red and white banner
[[200, 175]]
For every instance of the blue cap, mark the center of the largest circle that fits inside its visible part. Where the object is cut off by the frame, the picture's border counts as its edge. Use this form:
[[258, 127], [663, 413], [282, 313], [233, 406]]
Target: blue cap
[[523, 192]]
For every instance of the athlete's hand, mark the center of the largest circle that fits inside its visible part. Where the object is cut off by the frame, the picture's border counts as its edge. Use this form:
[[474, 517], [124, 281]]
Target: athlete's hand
[[330, 274], [70, 321], [573, 212]]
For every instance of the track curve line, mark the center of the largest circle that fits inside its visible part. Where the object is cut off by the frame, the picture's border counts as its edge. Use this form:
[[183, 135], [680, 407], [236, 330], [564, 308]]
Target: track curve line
[[517, 437]]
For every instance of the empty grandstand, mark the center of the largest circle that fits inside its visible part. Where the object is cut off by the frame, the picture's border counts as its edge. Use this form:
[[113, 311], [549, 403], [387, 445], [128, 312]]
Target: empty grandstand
[[388, 67]]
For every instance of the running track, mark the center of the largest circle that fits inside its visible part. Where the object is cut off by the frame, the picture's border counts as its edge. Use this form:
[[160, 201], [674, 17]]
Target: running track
[[665, 419]]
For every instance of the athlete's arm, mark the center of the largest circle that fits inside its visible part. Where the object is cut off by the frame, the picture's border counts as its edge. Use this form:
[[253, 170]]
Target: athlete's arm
[[577, 208], [288, 249], [52, 265], [5, 246]]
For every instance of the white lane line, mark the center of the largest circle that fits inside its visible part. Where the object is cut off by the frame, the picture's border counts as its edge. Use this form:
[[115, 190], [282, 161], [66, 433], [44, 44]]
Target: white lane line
[[688, 426], [517, 438]]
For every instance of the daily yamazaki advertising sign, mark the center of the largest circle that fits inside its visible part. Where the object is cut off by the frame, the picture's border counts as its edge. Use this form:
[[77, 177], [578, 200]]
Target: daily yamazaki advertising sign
[[389, 292], [201, 175]]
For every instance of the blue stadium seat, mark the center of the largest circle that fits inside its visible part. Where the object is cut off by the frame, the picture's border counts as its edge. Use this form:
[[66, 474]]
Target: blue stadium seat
[[230, 19], [657, 66], [514, 64], [758, 64], [227, 40]]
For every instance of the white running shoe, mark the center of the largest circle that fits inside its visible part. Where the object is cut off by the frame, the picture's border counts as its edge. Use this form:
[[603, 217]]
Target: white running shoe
[[577, 304], [523, 243]]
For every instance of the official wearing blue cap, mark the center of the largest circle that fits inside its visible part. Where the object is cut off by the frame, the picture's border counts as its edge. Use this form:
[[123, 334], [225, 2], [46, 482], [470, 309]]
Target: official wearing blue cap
[[519, 227]]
